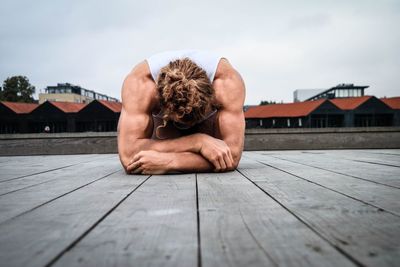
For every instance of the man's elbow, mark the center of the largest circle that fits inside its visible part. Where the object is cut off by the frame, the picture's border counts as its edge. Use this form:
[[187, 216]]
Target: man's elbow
[[235, 163], [125, 160], [124, 163]]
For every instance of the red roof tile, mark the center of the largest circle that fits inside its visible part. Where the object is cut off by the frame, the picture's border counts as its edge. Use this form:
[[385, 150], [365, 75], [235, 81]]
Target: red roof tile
[[20, 108], [297, 109], [68, 107], [393, 102], [349, 103], [114, 106]]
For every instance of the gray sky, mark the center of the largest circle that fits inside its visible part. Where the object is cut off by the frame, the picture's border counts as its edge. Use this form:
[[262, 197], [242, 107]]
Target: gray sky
[[277, 46]]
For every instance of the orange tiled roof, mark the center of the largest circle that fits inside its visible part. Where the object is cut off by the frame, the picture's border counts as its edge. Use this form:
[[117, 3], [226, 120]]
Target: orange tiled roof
[[393, 102], [68, 107], [297, 109], [349, 103], [20, 108], [114, 106]]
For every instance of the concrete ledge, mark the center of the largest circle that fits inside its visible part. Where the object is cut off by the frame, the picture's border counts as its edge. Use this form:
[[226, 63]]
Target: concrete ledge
[[323, 138], [256, 139]]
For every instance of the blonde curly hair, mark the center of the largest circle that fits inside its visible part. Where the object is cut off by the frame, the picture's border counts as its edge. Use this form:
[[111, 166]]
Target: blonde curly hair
[[185, 92]]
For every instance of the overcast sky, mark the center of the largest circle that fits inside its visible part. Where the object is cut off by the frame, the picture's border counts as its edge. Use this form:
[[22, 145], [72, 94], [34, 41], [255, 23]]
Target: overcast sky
[[277, 46]]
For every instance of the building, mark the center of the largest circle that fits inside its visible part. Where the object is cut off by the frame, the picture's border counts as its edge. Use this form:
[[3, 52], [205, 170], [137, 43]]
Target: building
[[338, 91], [98, 116], [13, 115], [316, 114], [394, 104], [57, 117], [364, 111], [66, 92]]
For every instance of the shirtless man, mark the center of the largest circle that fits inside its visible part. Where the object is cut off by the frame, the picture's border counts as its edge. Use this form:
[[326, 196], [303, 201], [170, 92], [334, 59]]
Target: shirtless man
[[182, 111]]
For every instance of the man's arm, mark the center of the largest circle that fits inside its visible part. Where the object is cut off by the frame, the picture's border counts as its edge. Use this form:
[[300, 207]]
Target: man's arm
[[153, 162], [231, 94], [135, 129]]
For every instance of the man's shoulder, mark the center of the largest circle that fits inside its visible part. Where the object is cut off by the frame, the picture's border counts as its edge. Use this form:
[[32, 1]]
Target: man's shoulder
[[228, 85], [138, 87], [225, 70]]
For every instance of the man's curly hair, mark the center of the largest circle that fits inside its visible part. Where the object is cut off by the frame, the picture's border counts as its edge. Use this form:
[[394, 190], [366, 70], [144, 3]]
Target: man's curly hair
[[185, 92]]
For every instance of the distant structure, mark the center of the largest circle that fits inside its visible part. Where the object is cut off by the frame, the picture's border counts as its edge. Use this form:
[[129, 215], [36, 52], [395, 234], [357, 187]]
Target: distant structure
[[58, 117], [300, 95], [360, 111], [66, 92], [339, 91]]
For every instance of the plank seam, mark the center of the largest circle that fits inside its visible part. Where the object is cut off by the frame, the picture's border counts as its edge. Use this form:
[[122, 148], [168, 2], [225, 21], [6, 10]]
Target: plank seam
[[330, 189], [344, 174], [338, 248], [76, 241], [32, 185], [377, 163], [199, 262], [36, 173], [53, 199], [391, 154], [255, 239], [363, 161], [22, 188]]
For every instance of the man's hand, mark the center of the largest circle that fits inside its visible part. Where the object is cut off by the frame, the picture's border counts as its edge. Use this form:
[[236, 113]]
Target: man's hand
[[217, 152], [150, 162]]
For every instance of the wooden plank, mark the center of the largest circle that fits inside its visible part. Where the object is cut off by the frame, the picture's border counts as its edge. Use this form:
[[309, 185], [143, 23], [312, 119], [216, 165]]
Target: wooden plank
[[392, 152], [36, 179], [384, 175], [367, 234], [386, 198], [156, 226], [364, 156], [21, 167], [242, 226], [38, 237], [60, 182]]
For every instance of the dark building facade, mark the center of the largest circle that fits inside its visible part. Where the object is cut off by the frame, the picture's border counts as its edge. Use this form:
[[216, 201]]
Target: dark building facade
[[13, 117], [367, 111], [394, 104], [364, 111], [58, 117], [98, 116], [103, 116], [316, 114]]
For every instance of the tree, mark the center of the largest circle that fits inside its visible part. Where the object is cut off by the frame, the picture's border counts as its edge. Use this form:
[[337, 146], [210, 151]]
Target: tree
[[266, 102], [17, 89]]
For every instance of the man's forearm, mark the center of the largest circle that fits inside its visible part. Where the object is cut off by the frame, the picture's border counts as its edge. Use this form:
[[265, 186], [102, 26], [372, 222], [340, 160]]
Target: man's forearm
[[189, 143], [189, 162]]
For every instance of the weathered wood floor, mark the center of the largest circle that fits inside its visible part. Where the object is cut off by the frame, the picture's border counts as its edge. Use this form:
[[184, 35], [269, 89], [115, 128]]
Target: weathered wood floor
[[280, 208]]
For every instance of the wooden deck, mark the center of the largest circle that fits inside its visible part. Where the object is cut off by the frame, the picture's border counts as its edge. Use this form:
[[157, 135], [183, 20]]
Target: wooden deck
[[280, 208]]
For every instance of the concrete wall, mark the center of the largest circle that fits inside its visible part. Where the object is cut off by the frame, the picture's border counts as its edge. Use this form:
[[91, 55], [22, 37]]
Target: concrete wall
[[322, 138], [256, 139]]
